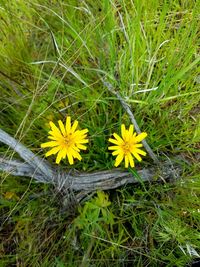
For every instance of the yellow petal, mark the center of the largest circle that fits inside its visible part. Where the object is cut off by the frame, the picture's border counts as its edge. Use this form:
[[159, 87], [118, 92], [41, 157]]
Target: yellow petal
[[76, 148], [113, 147], [81, 146], [83, 141], [68, 125], [70, 158], [116, 152], [126, 161], [53, 151], [74, 126], [49, 144], [77, 155], [141, 152], [140, 137], [118, 138], [64, 154], [62, 127], [59, 156], [54, 128], [80, 134], [119, 159], [137, 156], [78, 138], [138, 145], [127, 137], [84, 131], [55, 134], [123, 131], [130, 157], [131, 129], [113, 141], [55, 138]]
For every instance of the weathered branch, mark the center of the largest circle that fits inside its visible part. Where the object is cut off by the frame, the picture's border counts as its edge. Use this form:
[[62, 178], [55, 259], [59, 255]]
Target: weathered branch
[[18, 168], [103, 180], [35, 162], [82, 183]]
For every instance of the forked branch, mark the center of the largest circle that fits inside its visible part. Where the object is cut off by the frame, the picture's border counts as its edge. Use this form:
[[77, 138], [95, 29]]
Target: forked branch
[[68, 181]]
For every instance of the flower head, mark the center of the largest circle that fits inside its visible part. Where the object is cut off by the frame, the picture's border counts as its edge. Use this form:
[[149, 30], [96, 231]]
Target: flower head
[[67, 141], [127, 147]]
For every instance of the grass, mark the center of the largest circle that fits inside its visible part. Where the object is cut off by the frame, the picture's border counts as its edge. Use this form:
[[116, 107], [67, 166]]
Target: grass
[[53, 56]]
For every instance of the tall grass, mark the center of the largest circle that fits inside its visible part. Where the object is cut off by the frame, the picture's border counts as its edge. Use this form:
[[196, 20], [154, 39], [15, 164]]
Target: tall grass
[[53, 55]]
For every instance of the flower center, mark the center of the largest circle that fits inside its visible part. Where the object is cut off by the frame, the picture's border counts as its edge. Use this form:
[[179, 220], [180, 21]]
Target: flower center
[[126, 148], [68, 140]]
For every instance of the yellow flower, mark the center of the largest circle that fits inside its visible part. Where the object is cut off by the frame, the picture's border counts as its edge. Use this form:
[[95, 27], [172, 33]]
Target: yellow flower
[[127, 147], [67, 141]]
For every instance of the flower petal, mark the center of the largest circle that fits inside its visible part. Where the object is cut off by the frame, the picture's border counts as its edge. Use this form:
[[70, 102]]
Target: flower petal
[[84, 131], [118, 138], [64, 154], [59, 156], [49, 144], [131, 129], [68, 125], [62, 127], [130, 157], [83, 141], [119, 159], [76, 148], [55, 138], [141, 152], [74, 126], [135, 154], [55, 134], [138, 145], [53, 151], [140, 137], [55, 129], [76, 155], [126, 161], [113, 141], [113, 147], [116, 152], [81, 146], [70, 158], [123, 131]]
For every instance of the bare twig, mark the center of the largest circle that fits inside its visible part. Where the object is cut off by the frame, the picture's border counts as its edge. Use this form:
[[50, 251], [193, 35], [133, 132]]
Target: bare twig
[[132, 118]]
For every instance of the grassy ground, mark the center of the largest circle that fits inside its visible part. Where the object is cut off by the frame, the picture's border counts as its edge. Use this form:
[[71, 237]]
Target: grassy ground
[[53, 55]]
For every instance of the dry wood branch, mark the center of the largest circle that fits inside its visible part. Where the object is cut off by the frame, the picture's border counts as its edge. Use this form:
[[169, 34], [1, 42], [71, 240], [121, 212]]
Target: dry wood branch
[[35, 162], [18, 168], [82, 183], [89, 182]]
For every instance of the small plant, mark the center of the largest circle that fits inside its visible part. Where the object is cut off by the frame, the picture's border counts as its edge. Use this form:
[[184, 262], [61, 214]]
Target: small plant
[[94, 212]]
